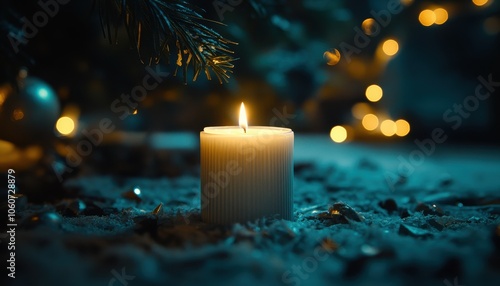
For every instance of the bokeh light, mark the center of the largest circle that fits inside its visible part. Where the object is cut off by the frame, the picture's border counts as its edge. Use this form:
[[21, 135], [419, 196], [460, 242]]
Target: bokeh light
[[3, 96], [427, 17], [402, 127], [17, 114], [441, 16], [388, 127], [65, 125], [338, 134], [390, 47], [370, 26], [6, 147], [357, 69], [374, 93], [370, 122], [480, 2], [332, 57], [360, 109]]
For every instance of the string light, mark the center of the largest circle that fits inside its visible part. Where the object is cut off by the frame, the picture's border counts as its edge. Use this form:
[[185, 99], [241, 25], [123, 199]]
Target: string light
[[374, 93], [388, 127], [427, 17], [338, 134], [65, 125], [370, 122], [441, 16], [390, 47], [369, 26], [480, 3], [332, 57], [402, 127]]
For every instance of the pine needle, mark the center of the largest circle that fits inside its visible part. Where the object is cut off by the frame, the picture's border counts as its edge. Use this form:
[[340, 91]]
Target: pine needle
[[163, 27]]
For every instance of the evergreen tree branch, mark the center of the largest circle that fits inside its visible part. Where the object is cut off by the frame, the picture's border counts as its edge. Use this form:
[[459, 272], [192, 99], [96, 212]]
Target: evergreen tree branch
[[158, 27]]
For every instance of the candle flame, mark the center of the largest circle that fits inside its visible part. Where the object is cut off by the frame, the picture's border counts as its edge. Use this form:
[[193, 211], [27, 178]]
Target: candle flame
[[243, 118]]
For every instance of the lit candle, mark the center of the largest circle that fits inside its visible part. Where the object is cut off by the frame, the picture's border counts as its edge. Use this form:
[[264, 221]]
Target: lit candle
[[246, 172]]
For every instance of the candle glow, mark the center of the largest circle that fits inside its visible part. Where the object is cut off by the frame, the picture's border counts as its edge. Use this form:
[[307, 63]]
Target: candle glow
[[243, 118], [246, 175]]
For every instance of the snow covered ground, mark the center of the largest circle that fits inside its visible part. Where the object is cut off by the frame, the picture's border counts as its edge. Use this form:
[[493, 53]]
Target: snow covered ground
[[404, 216]]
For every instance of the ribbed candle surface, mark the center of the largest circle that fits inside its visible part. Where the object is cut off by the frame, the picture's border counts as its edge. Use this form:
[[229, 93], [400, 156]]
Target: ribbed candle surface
[[246, 176]]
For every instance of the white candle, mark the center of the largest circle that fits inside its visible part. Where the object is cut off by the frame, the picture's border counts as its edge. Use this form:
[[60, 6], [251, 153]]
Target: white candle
[[246, 172]]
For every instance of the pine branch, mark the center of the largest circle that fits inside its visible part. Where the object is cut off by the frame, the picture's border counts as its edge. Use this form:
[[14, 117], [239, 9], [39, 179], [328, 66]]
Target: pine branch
[[157, 27]]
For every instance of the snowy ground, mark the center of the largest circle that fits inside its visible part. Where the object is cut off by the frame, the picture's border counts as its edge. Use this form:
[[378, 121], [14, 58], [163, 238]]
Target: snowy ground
[[432, 220]]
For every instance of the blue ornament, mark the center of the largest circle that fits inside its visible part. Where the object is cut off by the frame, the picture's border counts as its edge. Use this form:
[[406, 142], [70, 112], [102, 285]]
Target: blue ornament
[[28, 116]]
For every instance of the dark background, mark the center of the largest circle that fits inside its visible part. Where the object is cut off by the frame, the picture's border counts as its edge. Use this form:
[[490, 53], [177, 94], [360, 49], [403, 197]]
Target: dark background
[[429, 213], [281, 66]]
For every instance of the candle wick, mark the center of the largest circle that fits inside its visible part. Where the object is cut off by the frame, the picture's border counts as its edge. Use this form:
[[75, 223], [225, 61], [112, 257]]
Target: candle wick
[[244, 129]]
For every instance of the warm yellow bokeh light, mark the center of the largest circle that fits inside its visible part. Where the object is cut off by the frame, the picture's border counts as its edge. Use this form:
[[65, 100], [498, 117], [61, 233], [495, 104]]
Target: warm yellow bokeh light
[[6, 148], [441, 16], [388, 127], [370, 122], [406, 2], [360, 109], [332, 57], [357, 68], [480, 2], [402, 127], [369, 26], [374, 93], [390, 47], [17, 114], [3, 96], [427, 17], [338, 134], [65, 125]]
